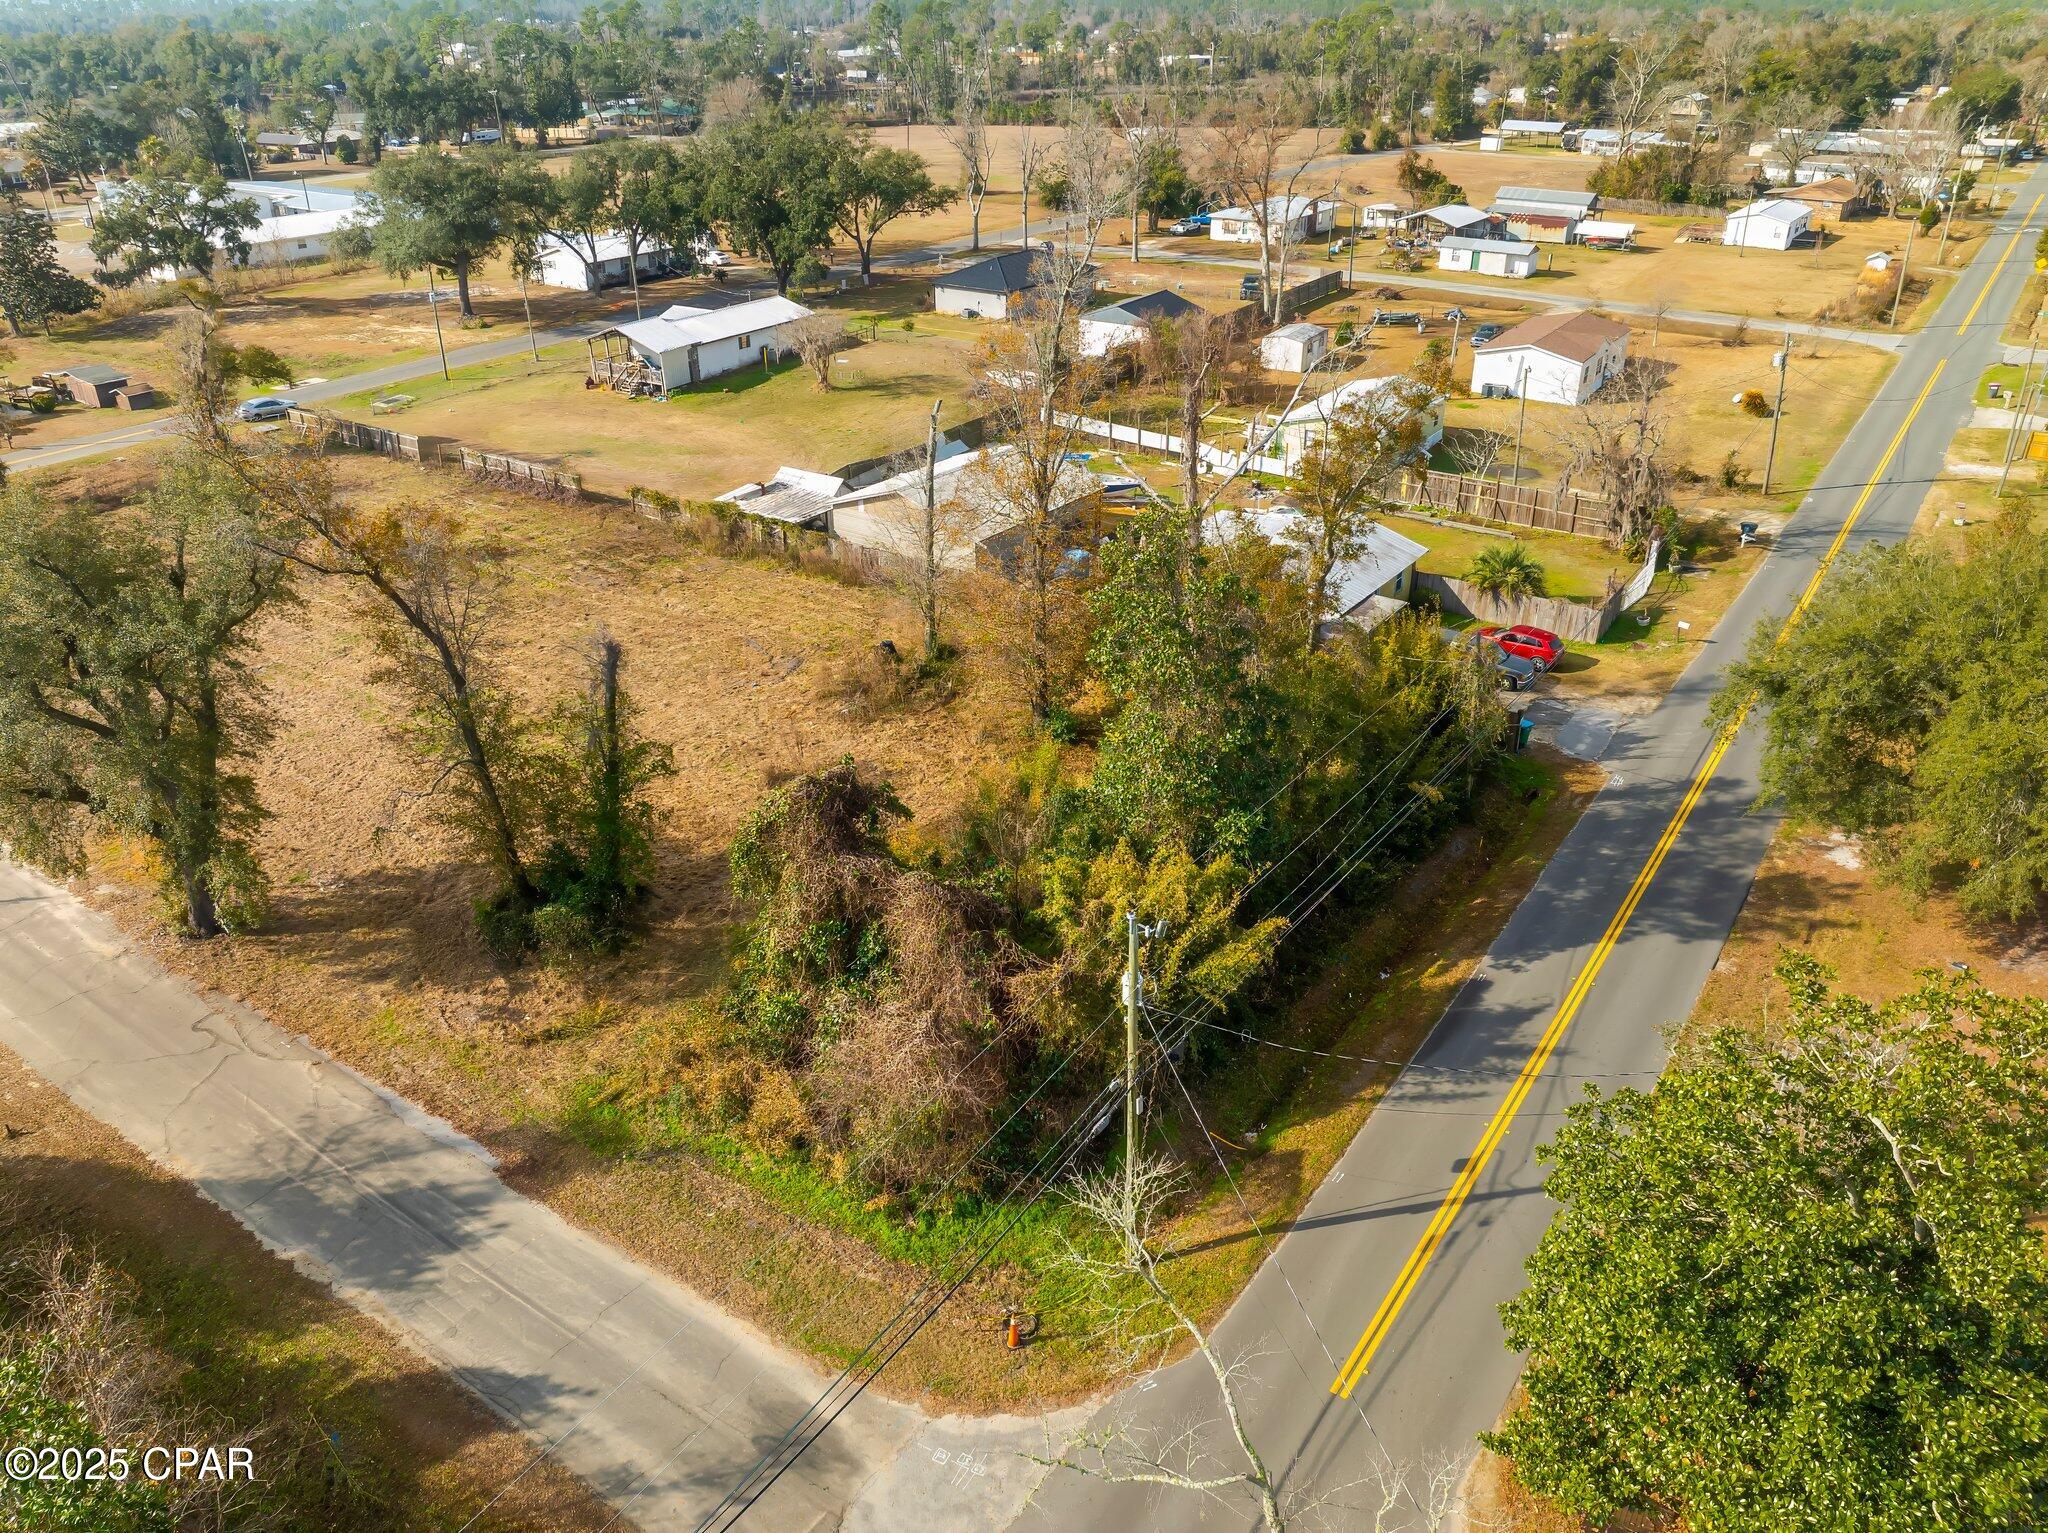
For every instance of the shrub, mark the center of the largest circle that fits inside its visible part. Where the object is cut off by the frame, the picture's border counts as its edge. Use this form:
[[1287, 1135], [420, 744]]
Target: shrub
[[1505, 572], [1754, 403]]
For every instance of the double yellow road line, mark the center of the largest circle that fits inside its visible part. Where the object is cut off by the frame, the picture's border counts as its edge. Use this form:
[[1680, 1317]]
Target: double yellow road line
[[1504, 1117]]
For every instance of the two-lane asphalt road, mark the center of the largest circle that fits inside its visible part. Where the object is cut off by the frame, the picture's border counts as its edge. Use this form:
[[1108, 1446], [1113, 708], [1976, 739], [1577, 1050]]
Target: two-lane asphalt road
[[1375, 1325]]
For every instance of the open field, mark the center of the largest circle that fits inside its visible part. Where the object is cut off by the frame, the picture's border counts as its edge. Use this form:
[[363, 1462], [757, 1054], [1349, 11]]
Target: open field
[[726, 431], [365, 1434]]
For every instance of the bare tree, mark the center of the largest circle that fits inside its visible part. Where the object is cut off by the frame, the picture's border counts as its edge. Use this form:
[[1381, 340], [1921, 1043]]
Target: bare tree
[[1247, 163], [969, 137], [1797, 125], [1029, 151], [1475, 451], [816, 338], [930, 527], [1642, 91], [1205, 356], [1725, 59], [1614, 443], [1346, 477]]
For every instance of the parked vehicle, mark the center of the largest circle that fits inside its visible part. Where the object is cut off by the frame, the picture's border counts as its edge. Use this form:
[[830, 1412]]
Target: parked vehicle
[[707, 255], [1538, 645], [265, 407], [1248, 286], [1398, 317], [1194, 223], [1516, 673], [1481, 334]]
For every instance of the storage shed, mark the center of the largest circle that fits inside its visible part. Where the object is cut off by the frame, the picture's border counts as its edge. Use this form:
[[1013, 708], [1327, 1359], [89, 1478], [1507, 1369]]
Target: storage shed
[[93, 384], [1492, 258], [1294, 348]]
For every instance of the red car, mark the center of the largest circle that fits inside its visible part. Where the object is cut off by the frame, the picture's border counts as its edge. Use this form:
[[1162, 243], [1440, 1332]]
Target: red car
[[1537, 645]]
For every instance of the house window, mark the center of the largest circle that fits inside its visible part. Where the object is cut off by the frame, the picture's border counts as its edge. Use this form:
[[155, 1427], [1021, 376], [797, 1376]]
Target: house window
[[746, 341]]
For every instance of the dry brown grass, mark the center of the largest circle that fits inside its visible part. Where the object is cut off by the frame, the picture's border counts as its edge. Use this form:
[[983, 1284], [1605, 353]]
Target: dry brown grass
[[257, 1329]]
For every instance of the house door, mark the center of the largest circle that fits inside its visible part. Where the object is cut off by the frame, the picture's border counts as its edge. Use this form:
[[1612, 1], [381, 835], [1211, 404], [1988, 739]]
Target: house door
[[695, 377]]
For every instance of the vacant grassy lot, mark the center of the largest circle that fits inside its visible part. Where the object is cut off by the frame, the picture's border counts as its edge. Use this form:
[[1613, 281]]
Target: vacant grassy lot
[[365, 1434]]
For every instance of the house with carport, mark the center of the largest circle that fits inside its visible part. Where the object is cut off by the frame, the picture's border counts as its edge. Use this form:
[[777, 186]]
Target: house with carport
[[685, 344]]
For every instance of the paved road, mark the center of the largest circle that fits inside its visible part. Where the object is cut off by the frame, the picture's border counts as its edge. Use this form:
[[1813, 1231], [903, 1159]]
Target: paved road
[[1437, 1372], [656, 1395]]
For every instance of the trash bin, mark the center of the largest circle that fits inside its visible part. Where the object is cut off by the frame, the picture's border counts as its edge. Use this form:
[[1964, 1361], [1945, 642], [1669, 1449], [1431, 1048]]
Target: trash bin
[[1525, 731]]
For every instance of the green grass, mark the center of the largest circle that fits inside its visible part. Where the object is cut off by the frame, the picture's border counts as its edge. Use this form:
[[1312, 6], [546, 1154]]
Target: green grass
[[1575, 569], [2008, 378]]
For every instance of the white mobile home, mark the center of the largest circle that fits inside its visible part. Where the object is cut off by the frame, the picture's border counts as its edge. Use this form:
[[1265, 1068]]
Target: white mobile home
[[1294, 348], [1296, 431], [558, 263], [1290, 218], [685, 345], [1562, 358], [1774, 223]]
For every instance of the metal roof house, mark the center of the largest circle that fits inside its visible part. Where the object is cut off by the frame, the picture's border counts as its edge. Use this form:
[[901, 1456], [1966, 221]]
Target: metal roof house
[[684, 345], [94, 384], [1487, 257], [1365, 589], [1773, 223]]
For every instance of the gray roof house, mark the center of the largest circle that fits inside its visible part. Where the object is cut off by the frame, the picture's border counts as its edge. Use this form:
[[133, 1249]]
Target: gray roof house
[[992, 287]]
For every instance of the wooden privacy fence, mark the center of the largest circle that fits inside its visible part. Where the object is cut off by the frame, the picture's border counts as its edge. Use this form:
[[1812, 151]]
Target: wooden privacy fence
[[380, 439], [1218, 460], [1300, 296], [1547, 508], [522, 472], [1578, 622]]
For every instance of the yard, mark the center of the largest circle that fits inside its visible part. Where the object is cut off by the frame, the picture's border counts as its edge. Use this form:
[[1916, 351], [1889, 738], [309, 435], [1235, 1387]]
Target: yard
[[724, 432]]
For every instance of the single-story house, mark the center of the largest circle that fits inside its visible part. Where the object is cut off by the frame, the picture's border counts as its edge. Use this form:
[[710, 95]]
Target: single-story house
[[1608, 142], [1365, 589], [991, 288], [1296, 431], [1563, 358], [1832, 200], [93, 384], [1292, 219], [558, 263], [1294, 348], [1454, 218], [286, 237], [1492, 258], [684, 345], [273, 198], [1380, 215], [1771, 223], [1105, 329], [1606, 234], [298, 145], [799, 497], [981, 526]]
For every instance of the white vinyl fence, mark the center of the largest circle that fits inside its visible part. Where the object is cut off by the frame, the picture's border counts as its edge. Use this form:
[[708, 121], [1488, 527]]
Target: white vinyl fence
[[1218, 460]]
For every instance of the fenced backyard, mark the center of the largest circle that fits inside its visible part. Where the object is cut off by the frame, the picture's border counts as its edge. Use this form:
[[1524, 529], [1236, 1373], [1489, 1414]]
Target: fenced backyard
[[1546, 508], [501, 468]]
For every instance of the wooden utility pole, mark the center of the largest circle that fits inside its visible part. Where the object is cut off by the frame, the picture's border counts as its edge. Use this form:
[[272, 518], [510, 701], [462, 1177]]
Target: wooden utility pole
[[1521, 416], [2019, 415], [1784, 364], [1905, 264], [1131, 1001], [1954, 190], [929, 594], [434, 303]]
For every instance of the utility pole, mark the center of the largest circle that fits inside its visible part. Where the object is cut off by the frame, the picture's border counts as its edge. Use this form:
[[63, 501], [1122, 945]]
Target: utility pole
[[1134, 984], [434, 302], [1783, 360], [1521, 415], [1905, 264], [2019, 416], [1954, 190]]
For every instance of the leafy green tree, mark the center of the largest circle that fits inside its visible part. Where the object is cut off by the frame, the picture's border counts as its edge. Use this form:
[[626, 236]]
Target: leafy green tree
[[176, 213], [34, 289], [656, 202], [125, 699], [1920, 735], [1191, 747], [1985, 93], [1801, 1283], [451, 212], [769, 180], [874, 187], [1506, 571]]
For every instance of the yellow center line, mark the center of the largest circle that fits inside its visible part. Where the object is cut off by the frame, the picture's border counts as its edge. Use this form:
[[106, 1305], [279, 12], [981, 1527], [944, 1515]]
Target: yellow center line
[[1496, 1130], [2017, 235]]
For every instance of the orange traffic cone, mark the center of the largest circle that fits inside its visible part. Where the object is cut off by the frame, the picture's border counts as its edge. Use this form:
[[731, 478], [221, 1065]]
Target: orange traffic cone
[[1014, 1336]]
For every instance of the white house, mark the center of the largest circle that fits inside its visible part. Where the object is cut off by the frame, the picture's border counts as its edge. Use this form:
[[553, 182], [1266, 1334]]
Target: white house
[[288, 237], [1290, 218], [1606, 234], [684, 345], [1128, 323], [1294, 348], [1491, 258], [1562, 358], [1380, 215], [1366, 589], [1294, 432], [559, 263], [1773, 223]]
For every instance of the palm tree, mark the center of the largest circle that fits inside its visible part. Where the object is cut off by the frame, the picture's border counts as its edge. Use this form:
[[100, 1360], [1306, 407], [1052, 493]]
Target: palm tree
[[1505, 572]]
